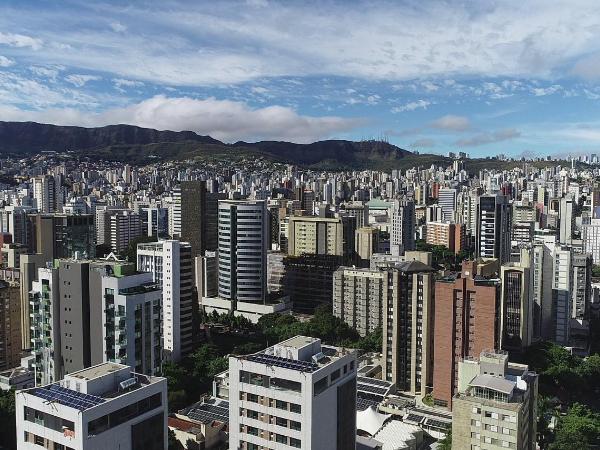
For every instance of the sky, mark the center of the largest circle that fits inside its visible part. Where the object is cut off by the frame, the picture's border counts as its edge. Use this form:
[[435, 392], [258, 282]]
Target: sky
[[520, 78]]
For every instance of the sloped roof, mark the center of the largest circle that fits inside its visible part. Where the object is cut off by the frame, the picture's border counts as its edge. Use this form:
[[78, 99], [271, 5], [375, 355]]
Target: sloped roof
[[370, 421]]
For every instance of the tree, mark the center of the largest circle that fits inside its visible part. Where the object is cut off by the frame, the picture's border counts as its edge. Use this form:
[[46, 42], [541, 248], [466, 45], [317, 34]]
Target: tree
[[579, 428], [446, 442], [8, 424]]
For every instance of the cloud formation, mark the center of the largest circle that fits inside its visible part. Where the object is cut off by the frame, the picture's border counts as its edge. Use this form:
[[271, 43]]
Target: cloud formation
[[222, 119], [489, 138], [411, 106], [452, 123]]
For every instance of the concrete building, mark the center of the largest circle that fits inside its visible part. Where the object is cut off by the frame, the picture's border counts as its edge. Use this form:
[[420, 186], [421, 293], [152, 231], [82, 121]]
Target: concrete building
[[193, 206], [465, 323], [316, 236], [207, 274], [366, 243], [243, 248], [567, 219], [516, 304], [493, 228], [10, 326], [170, 263], [448, 234], [359, 297], [590, 235], [44, 194], [11, 255], [496, 406], [447, 201], [125, 227], [402, 234], [101, 407], [408, 328], [29, 265], [582, 282], [297, 393], [61, 235]]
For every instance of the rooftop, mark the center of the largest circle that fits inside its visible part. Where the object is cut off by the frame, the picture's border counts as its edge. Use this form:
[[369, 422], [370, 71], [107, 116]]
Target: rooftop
[[98, 371], [494, 383]]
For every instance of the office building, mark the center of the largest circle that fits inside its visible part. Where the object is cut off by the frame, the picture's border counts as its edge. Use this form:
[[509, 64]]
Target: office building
[[295, 394], [402, 234], [101, 407], [359, 297], [496, 406], [315, 236], [61, 235], [493, 228], [466, 323], [243, 250], [207, 274], [155, 221], [408, 327], [125, 228], [562, 288], [10, 326], [366, 243], [170, 263], [10, 255], [582, 282], [447, 201], [193, 204], [590, 235], [516, 304], [567, 219], [44, 194]]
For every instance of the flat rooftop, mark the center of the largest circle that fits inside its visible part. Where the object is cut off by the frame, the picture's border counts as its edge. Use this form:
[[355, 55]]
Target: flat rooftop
[[98, 371], [299, 341]]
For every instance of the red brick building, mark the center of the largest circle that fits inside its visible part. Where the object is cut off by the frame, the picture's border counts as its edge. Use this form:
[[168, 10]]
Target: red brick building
[[465, 323]]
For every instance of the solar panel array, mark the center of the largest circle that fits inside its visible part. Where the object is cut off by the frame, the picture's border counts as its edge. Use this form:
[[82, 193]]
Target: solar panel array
[[437, 424], [364, 403], [374, 381], [414, 418], [286, 363], [371, 389], [67, 397], [209, 411]]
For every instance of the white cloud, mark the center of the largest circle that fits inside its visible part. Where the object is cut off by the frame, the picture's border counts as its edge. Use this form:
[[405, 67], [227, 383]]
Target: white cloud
[[80, 80], [540, 92], [6, 62], [259, 90], [222, 119], [411, 106], [489, 138], [118, 27], [452, 123], [228, 42], [50, 72], [20, 40]]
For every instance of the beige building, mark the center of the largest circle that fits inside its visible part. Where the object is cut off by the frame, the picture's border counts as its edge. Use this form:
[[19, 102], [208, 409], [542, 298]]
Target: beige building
[[359, 296], [315, 235], [11, 254], [516, 304], [496, 407], [408, 327], [448, 234], [10, 326], [366, 242]]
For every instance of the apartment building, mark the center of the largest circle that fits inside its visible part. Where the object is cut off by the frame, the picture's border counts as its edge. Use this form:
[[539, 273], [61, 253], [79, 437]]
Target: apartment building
[[10, 326], [295, 394], [101, 407], [450, 235]]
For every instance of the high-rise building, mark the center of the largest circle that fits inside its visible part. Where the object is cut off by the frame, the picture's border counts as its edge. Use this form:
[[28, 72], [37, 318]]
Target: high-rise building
[[316, 236], [496, 406], [465, 323], [582, 276], [493, 228], [516, 304], [243, 250], [408, 327], [448, 234], [590, 235], [170, 263], [155, 221], [562, 286], [366, 243], [359, 297], [207, 274], [298, 393], [567, 219], [44, 194], [29, 265], [402, 234], [193, 205], [125, 227], [10, 326], [62, 235], [447, 201], [104, 406]]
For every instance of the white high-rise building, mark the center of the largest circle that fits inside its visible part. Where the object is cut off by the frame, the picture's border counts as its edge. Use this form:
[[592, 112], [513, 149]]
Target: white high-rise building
[[295, 394], [402, 235], [243, 245], [590, 234], [493, 228], [447, 201], [170, 263], [44, 191], [107, 406]]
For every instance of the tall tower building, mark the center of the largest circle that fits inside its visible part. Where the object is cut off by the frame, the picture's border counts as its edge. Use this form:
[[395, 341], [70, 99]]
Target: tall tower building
[[582, 276], [315, 236], [295, 394], [567, 219], [493, 228], [44, 193], [243, 247], [516, 305], [193, 205], [408, 327], [402, 235], [10, 326], [447, 201], [170, 263], [466, 322]]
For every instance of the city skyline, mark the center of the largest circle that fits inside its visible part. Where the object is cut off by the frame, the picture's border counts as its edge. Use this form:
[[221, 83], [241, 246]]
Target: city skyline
[[513, 78]]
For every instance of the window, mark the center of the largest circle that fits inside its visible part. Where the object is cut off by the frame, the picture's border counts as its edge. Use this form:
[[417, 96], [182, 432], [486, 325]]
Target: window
[[295, 408], [281, 404], [295, 443], [280, 421], [297, 426], [251, 414], [281, 438], [320, 386], [252, 430]]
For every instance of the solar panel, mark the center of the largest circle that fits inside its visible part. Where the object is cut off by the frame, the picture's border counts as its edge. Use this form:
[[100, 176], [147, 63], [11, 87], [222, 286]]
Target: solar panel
[[414, 418], [210, 410], [374, 381], [363, 403], [371, 389], [437, 424], [286, 363], [68, 397]]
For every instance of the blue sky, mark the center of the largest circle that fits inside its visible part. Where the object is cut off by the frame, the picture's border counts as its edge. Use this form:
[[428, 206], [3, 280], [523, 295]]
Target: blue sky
[[513, 77]]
